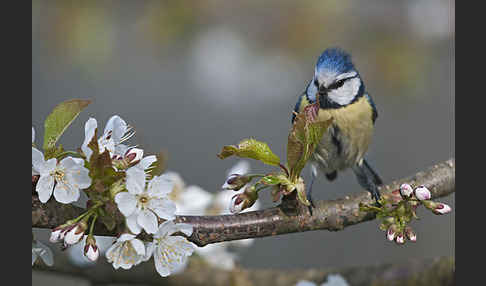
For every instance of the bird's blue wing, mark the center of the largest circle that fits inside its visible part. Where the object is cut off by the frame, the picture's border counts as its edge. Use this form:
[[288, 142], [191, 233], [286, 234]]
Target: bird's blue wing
[[373, 106]]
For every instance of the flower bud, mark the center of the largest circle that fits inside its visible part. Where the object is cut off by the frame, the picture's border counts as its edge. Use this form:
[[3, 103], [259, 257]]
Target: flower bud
[[134, 155], [410, 234], [75, 234], [400, 239], [422, 193], [391, 232], [441, 209], [406, 190], [57, 234], [235, 182], [243, 200], [91, 250], [236, 204]]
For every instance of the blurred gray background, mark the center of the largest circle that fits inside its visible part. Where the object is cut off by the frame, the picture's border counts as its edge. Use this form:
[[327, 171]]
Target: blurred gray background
[[194, 76]]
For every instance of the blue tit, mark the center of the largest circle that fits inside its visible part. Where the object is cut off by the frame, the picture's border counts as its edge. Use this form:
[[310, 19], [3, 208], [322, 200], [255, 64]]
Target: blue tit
[[342, 96]]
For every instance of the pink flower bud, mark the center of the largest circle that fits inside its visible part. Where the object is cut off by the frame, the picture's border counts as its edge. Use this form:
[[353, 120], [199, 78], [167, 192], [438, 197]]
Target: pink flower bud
[[75, 234], [134, 155], [57, 234], [235, 182], [236, 205], [391, 232], [400, 239], [422, 193], [441, 209], [410, 234], [406, 190], [91, 250]]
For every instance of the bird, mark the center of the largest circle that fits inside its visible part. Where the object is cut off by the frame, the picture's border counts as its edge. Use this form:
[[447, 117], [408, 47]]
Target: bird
[[341, 93]]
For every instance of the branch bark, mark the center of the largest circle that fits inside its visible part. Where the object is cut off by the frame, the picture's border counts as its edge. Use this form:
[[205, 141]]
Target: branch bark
[[288, 217]]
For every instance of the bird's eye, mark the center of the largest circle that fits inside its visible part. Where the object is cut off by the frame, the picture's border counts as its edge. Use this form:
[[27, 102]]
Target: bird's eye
[[337, 84], [316, 83]]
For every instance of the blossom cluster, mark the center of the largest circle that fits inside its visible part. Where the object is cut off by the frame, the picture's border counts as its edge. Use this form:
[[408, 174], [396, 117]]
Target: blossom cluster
[[112, 174], [399, 208]]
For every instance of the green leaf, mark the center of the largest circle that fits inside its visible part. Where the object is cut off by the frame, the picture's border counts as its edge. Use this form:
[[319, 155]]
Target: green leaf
[[273, 179], [60, 118], [305, 135], [251, 148]]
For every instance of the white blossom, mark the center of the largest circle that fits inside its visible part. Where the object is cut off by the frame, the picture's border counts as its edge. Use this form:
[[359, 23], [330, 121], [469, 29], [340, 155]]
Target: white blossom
[[42, 251], [65, 178], [142, 204], [218, 255], [193, 201], [170, 252], [126, 252], [116, 131]]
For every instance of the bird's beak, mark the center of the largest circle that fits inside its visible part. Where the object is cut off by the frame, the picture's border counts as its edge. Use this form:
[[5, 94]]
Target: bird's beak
[[323, 90]]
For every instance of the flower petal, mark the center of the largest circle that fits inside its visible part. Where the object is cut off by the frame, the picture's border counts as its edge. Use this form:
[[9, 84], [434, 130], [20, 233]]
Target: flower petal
[[126, 237], [159, 187], [126, 203], [149, 250], [79, 177], [138, 246], [165, 229], [135, 180], [132, 223], [163, 208], [146, 162], [185, 228], [148, 221], [118, 128], [194, 201], [37, 159], [89, 131], [65, 193], [160, 264], [44, 187], [240, 168]]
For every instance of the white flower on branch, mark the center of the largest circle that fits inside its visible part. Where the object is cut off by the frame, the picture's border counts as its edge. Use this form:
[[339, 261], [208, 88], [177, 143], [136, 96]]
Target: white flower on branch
[[116, 132], [126, 252], [42, 251], [170, 252], [142, 204], [65, 178]]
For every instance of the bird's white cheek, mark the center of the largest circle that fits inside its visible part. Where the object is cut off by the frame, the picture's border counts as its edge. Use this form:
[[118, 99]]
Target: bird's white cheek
[[346, 93]]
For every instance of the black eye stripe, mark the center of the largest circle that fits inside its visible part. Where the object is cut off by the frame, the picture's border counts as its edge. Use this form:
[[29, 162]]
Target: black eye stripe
[[316, 83], [340, 82]]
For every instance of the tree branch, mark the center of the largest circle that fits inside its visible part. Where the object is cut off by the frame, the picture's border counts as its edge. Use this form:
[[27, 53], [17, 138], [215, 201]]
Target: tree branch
[[288, 217]]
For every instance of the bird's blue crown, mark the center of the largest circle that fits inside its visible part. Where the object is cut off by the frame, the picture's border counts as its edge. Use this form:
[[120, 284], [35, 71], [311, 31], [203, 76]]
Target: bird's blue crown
[[336, 60]]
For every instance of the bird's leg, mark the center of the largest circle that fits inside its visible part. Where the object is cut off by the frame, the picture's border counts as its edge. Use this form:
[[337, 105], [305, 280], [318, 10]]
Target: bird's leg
[[367, 178]]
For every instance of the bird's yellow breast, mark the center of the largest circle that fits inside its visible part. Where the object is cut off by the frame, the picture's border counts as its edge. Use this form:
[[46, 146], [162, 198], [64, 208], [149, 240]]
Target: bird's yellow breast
[[355, 126]]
